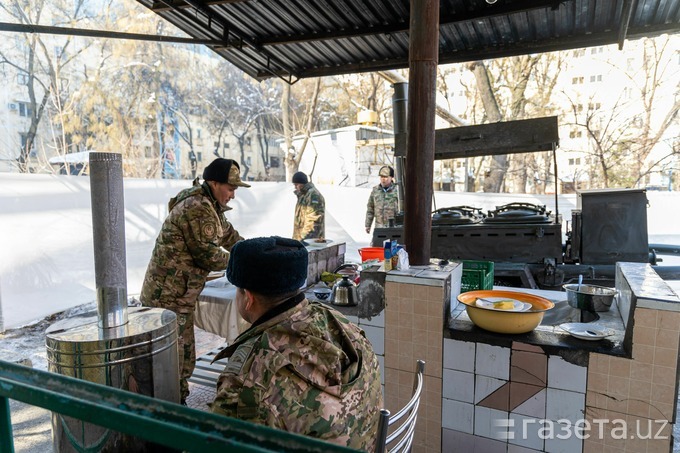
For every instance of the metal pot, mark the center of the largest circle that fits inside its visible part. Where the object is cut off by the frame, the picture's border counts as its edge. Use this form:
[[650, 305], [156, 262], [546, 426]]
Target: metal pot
[[345, 292], [589, 297]]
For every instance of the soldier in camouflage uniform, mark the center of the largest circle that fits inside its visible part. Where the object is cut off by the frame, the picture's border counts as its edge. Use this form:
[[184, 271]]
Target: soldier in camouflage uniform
[[302, 366], [194, 240], [383, 203], [310, 209]]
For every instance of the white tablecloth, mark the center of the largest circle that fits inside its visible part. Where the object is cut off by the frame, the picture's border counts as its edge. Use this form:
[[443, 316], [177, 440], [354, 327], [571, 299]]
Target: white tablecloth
[[216, 311]]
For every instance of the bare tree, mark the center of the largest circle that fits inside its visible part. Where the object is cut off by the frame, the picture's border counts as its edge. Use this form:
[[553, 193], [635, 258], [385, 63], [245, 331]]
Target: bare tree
[[305, 127], [42, 64]]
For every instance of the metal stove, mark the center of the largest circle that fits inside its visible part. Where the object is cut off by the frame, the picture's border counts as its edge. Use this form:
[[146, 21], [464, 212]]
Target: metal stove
[[512, 233]]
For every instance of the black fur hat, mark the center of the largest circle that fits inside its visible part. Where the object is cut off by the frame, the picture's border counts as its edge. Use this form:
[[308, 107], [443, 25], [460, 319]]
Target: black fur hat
[[268, 265], [300, 178]]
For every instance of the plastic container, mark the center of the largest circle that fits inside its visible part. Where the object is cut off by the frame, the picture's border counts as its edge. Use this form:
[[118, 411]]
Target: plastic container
[[372, 253], [476, 275]]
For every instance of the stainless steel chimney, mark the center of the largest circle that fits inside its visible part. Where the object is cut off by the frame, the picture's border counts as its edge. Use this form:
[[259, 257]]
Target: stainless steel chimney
[[135, 350]]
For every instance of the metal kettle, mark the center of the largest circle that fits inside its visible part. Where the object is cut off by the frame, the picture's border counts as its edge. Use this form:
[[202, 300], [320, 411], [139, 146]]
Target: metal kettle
[[345, 292]]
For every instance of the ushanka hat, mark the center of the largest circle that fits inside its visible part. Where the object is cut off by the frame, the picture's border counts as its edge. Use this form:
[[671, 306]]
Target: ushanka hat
[[300, 178], [224, 171], [268, 265], [386, 171]]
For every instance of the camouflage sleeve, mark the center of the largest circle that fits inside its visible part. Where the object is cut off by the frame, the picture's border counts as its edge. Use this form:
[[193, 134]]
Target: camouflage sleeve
[[230, 236], [201, 228], [370, 211]]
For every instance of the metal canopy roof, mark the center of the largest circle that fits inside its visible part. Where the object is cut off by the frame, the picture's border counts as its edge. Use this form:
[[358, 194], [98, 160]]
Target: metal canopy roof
[[296, 39]]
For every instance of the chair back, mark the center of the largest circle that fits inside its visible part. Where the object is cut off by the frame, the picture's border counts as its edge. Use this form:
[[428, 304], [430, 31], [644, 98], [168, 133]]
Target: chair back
[[395, 432]]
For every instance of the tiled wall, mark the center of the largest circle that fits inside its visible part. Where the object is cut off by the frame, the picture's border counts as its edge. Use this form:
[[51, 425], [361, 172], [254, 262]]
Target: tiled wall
[[486, 398], [638, 395], [495, 399], [491, 393], [414, 326], [322, 259]]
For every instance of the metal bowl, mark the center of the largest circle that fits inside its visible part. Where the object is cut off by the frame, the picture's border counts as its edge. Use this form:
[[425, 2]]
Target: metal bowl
[[512, 322], [590, 297]]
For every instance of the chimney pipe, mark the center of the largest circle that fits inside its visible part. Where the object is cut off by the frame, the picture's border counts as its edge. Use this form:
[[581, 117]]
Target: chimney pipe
[[399, 111], [108, 226]]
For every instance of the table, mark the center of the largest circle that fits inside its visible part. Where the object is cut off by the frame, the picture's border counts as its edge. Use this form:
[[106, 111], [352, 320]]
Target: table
[[216, 311]]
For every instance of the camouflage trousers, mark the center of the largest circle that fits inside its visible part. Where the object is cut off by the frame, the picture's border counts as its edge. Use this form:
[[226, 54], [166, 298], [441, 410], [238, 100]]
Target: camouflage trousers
[[186, 347]]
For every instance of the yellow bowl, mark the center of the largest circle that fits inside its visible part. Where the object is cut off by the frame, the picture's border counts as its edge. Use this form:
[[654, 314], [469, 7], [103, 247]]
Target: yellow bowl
[[500, 321]]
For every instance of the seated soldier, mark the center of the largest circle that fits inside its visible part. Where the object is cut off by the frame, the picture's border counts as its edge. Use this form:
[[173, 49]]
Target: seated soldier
[[302, 366]]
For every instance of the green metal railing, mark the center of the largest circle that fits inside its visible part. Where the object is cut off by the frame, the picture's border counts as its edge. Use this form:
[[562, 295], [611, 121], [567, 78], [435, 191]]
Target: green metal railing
[[155, 420]]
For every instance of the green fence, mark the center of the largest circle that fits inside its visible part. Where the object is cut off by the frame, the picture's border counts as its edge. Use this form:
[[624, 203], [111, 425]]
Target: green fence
[[165, 423]]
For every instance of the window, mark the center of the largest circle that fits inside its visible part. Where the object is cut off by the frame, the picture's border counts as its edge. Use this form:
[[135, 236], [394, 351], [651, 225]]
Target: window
[[24, 109], [199, 156], [198, 133], [575, 134], [579, 53], [595, 106], [148, 153], [248, 162], [577, 80], [225, 146], [22, 79], [596, 78], [596, 50], [274, 162]]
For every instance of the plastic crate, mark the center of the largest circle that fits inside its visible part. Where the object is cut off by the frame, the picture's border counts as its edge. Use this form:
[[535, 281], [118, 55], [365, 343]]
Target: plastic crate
[[476, 275]]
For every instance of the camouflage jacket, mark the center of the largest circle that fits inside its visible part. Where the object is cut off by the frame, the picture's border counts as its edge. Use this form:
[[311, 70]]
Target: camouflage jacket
[[194, 240], [310, 210], [304, 368], [382, 206]]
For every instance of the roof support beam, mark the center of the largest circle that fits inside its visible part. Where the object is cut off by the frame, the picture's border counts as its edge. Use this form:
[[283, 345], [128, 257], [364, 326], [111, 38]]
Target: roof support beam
[[626, 14], [30, 28]]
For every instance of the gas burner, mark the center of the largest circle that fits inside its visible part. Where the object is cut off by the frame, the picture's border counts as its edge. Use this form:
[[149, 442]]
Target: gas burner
[[518, 213], [457, 215]]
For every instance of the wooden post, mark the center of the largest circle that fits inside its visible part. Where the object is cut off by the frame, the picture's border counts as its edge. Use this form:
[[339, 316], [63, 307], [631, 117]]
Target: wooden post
[[423, 60]]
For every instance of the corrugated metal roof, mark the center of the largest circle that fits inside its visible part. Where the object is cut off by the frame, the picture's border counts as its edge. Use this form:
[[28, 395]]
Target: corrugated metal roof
[[296, 39]]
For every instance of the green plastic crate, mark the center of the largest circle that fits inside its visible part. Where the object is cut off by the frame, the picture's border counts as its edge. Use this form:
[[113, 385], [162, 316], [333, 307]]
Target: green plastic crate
[[476, 275]]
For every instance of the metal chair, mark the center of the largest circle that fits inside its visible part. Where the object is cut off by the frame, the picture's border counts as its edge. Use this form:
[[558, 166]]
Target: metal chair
[[403, 423]]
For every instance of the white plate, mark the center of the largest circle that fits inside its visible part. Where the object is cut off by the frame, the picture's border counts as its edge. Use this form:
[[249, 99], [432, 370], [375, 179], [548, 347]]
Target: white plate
[[586, 331], [311, 243], [488, 302]]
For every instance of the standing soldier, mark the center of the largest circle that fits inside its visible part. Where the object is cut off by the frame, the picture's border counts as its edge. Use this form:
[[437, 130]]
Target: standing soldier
[[310, 210], [383, 203], [195, 239]]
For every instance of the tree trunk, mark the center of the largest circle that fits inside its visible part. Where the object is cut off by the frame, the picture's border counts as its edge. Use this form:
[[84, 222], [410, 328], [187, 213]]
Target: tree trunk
[[494, 179]]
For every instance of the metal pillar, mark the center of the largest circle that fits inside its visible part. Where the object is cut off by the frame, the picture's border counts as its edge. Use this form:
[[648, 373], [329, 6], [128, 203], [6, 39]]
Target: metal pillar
[[399, 106]]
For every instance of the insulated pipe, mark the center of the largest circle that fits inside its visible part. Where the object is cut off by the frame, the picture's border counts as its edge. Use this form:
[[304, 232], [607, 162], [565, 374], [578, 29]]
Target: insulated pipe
[[108, 229], [399, 105]]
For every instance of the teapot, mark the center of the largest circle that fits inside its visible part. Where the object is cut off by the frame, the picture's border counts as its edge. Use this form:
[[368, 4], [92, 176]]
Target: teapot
[[344, 292]]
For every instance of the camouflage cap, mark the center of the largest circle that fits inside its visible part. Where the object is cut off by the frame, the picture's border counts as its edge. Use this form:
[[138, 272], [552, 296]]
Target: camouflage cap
[[386, 171], [224, 171]]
